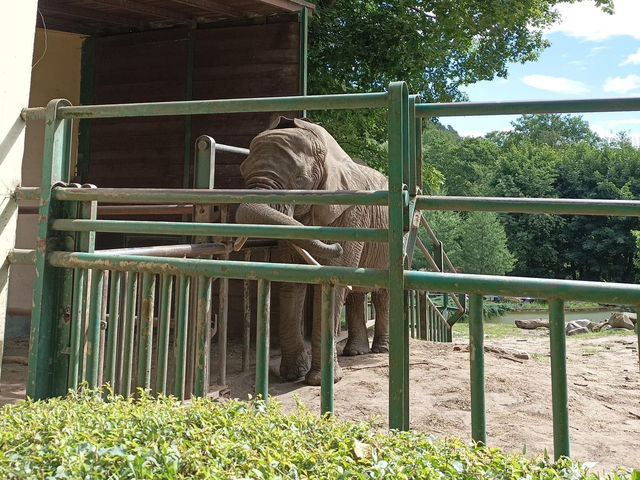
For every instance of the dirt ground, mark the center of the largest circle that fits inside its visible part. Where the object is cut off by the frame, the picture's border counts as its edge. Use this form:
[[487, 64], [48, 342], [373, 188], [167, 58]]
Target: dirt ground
[[604, 393]]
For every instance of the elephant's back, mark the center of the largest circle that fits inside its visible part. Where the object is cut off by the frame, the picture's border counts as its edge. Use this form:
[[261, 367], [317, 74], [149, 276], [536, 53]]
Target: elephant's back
[[375, 180]]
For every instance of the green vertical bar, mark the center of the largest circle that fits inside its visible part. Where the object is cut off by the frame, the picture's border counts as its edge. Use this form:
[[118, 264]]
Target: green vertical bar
[[77, 331], [418, 315], [85, 242], [112, 328], [398, 331], [45, 304], [411, 160], [203, 313], [145, 344], [182, 327], [414, 314], [263, 312], [223, 317], [411, 319], [559, 391], [476, 354], [64, 302], [418, 147], [129, 333], [93, 334], [164, 316], [303, 52], [327, 312]]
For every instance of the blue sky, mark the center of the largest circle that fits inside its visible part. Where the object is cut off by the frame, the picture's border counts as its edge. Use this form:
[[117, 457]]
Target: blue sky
[[592, 55]]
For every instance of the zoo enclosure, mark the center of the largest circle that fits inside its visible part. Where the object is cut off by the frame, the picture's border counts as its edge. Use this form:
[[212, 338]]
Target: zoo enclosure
[[56, 255]]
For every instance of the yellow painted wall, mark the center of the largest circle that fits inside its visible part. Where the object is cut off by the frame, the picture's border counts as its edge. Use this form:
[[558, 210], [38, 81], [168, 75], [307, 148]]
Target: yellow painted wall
[[55, 74]]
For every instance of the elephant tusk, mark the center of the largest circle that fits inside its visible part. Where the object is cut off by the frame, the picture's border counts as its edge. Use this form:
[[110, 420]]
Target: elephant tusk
[[306, 256]]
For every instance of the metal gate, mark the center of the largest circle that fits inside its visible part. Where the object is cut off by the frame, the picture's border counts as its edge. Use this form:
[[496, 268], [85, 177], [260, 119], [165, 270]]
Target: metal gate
[[64, 256]]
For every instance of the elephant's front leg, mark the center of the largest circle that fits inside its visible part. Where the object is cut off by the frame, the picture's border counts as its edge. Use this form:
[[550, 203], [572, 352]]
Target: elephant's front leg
[[314, 375], [295, 361], [358, 341], [295, 358], [380, 301]]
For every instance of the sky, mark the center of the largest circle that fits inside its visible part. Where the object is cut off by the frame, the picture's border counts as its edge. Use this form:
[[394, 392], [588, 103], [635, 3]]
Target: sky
[[592, 55]]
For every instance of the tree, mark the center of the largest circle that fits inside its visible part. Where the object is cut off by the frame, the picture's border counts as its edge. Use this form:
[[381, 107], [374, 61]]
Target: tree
[[436, 46], [484, 245], [447, 227]]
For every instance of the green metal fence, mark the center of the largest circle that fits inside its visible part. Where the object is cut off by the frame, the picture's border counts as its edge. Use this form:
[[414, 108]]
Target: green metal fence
[[64, 256]]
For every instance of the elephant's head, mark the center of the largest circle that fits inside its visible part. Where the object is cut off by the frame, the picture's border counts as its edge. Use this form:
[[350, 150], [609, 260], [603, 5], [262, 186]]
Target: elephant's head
[[297, 155]]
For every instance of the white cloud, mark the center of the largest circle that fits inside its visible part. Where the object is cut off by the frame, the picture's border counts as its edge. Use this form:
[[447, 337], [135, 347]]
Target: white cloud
[[586, 21], [621, 85], [633, 59], [555, 84], [609, 132], [627, 121]]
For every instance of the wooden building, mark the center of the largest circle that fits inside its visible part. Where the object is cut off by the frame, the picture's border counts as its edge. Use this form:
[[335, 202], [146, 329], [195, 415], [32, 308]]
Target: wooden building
[[145, 51]]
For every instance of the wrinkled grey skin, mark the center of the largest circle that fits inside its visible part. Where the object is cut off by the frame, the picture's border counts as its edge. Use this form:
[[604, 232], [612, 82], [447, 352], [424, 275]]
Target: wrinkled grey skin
[[296, 154]]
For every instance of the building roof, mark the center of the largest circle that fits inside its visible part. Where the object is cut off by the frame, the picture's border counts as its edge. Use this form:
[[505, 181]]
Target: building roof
[[98, 17]]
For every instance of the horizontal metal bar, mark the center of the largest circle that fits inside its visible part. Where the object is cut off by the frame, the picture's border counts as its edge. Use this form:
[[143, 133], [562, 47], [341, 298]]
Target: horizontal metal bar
[[118, 210], [111, 210], [185, 250], [221, 147], [21, 256], [610, 293], [28, 193], [205, 107], [221, 196], [279, 272], [221, 229], [519, 108], [182, 250], [558, 206]]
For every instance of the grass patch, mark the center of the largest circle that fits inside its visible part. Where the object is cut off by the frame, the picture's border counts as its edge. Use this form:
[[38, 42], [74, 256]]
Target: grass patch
[[492, 330], [85, 436]]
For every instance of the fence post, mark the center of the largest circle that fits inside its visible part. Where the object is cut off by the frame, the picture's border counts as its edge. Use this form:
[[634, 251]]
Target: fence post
[[559, 392], [398, 318], [55, 168], [476, 354], [263, 311], [327, 312]]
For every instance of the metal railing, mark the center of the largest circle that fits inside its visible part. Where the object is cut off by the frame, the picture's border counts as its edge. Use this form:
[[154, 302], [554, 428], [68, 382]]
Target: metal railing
[[60, 227]]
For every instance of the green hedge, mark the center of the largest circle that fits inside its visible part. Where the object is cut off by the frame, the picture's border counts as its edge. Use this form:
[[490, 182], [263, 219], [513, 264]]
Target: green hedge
[[85, 436]]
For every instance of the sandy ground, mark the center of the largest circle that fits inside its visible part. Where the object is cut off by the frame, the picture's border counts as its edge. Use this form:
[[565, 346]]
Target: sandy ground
[[604, 394]]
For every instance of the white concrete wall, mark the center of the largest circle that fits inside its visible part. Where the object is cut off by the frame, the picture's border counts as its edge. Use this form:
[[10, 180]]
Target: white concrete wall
[[56, 74], [17, 26]]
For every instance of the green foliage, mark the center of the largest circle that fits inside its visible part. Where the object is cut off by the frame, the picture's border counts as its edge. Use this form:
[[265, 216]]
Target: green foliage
[[550, 156], [484, 245], [447, 227], [85, 436], [436, 46]]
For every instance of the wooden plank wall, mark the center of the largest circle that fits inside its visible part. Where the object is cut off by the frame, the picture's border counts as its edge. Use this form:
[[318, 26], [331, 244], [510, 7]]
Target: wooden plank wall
[[228, 62]]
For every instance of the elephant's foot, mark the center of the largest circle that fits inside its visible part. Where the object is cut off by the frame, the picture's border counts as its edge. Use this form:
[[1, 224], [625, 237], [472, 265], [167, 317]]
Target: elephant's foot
[[294, 366], [314, 376], [355, 347], [380, 344]]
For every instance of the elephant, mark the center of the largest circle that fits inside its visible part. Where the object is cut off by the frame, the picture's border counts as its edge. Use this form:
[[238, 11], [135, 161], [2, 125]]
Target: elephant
[[300, 155]]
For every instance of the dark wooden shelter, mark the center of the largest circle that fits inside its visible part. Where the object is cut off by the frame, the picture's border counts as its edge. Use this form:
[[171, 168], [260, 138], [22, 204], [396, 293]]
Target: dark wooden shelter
[[164, 50]]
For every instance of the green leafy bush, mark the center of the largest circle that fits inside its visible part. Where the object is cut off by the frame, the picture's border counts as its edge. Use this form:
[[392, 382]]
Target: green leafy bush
[[86, 436]]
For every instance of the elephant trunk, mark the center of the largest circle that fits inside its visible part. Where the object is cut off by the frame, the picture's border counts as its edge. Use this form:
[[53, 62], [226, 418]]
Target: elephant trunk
[[254, 213]]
